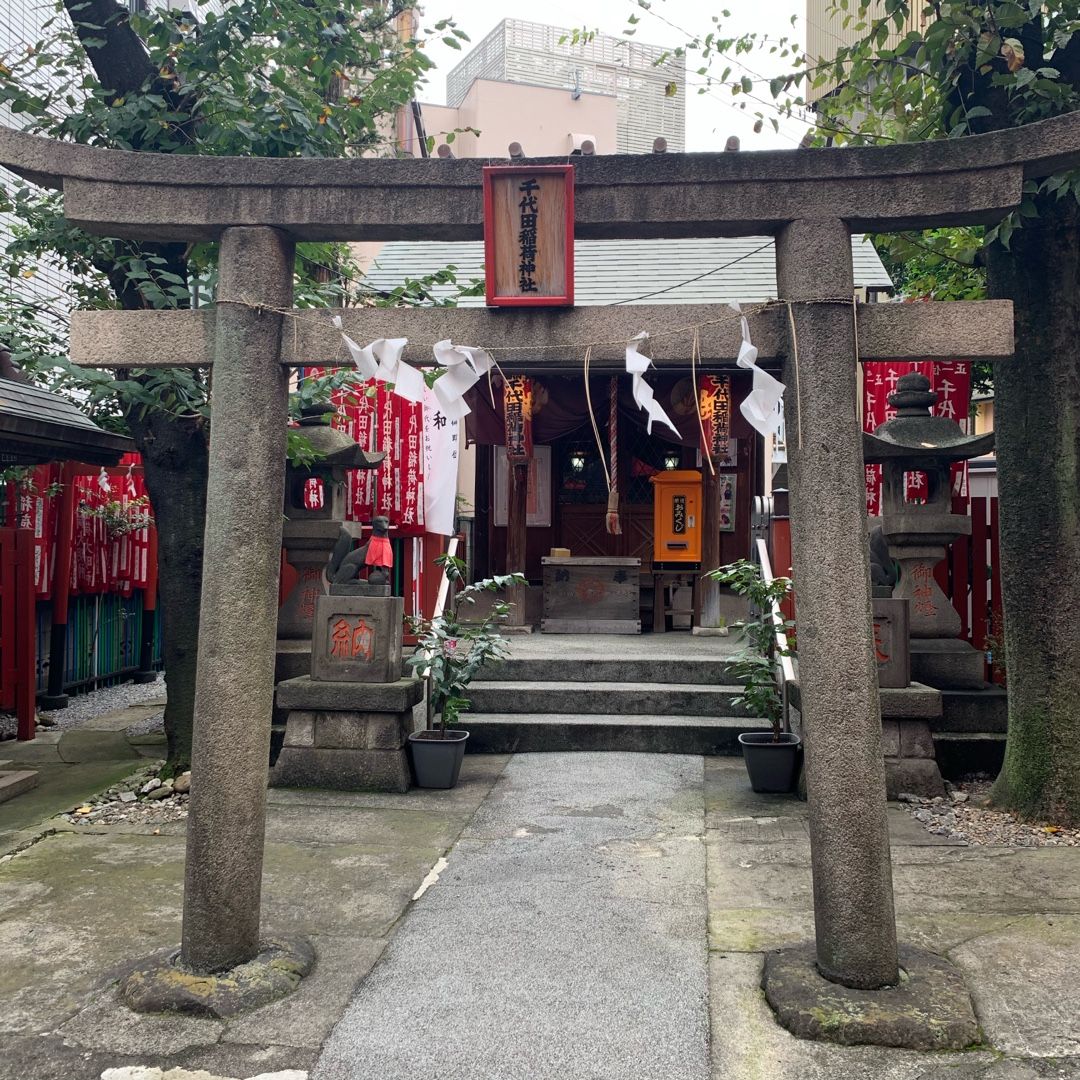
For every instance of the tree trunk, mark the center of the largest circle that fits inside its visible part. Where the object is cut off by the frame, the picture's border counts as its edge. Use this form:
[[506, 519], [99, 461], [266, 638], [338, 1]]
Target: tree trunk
[[1037, 423], [175, 458]]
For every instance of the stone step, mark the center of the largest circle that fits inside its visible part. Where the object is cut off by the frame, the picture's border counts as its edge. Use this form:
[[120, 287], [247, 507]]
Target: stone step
[[973, 711], [16, 782], [959, 753], [628, 699], [504, 733], [568, 668]]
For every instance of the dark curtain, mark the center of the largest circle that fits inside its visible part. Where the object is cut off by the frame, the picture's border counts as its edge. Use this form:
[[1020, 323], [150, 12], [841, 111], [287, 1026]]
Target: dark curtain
[[559, 408]]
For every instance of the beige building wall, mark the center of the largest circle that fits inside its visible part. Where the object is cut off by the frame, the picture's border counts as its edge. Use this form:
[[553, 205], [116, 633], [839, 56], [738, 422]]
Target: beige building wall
[[828, 30], [542, 119]]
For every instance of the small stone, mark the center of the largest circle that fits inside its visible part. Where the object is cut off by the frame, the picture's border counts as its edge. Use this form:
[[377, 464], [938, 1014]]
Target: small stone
[[150, 785], [906, 796], [127, 796], [958, 796], [160, 792], [182, 784], [84, 810]]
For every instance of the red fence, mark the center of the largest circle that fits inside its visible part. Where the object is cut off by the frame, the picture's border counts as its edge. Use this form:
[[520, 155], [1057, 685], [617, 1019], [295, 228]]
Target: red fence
[[970, 576]]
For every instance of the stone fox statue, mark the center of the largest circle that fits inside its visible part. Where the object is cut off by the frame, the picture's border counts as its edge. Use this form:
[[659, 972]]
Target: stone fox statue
[[376, 553]]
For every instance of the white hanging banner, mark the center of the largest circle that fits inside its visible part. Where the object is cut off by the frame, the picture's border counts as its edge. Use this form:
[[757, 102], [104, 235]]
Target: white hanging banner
[[761, 406], [636, 366], [441, 449]]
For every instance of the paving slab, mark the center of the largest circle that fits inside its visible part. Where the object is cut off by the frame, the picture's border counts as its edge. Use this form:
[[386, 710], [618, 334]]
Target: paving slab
[[607, 980], [1025, 981], [78, 908]]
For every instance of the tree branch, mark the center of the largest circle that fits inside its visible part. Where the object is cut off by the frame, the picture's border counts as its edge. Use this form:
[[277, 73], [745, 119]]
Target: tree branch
[[121, 63]]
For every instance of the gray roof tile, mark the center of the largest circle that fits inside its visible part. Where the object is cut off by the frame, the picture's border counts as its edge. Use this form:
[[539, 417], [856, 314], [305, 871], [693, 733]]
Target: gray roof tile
[[691, 271]]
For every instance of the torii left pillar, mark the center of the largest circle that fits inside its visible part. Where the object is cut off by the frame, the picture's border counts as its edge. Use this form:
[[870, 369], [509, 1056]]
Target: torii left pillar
[[238, 613], [234, 690]]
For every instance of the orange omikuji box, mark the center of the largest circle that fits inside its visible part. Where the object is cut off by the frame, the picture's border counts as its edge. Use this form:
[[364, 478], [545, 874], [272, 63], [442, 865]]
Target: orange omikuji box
[[677, 523]]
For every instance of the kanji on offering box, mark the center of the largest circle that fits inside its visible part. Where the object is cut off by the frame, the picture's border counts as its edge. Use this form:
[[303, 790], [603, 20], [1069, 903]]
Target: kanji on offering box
[[952, 382]]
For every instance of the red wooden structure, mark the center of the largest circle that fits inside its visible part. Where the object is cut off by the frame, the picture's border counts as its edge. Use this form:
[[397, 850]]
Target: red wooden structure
[[18, 664]]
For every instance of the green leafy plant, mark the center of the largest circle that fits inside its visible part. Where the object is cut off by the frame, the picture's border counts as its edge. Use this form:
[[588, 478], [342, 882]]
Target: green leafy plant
[[754, 666], [121, 517], [453, 652]]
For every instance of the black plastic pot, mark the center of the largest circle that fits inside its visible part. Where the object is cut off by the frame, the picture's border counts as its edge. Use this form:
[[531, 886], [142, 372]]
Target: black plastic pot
[[773, 766], [437, 760]]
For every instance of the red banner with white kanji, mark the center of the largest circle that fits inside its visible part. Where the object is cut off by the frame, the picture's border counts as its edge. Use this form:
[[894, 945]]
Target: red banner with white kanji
[[951, 380], [379, 419], [110, 527]]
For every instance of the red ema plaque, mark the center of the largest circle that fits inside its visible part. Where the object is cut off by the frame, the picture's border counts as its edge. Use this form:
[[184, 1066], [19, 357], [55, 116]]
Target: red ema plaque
[[529, 235]]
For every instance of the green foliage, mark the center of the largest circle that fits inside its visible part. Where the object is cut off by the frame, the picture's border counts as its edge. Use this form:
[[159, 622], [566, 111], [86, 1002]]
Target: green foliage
[[453, 652], [292, 78], [121, 517], [755, 665], [918, 71]]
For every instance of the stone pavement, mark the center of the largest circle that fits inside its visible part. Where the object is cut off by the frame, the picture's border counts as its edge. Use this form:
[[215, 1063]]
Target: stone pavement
[[598, 915]]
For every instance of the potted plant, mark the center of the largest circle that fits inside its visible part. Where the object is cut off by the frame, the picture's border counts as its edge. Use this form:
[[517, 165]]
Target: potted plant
[[449, 654], [771, 757]]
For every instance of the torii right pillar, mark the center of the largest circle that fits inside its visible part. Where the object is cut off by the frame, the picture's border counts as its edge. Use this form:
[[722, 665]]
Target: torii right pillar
[[845, 772]]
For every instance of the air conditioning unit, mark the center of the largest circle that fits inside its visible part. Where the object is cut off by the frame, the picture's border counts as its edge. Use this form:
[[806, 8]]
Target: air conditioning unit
[[582, 144]]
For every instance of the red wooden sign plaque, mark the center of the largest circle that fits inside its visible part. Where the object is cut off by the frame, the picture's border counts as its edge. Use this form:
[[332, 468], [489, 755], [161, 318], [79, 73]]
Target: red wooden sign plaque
[[529, 235]]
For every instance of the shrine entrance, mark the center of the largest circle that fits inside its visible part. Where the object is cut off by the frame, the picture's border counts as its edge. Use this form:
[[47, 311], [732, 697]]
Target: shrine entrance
[[811, 201], [577, 474]]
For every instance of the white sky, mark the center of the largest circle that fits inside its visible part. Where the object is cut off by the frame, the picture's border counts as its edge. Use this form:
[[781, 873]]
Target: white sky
[[710, 117]]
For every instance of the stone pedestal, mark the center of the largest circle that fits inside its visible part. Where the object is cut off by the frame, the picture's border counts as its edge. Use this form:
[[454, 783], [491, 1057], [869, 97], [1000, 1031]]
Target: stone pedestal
[[948, 664], [347, 736], [357, 638], [891, 642], [907, 742]]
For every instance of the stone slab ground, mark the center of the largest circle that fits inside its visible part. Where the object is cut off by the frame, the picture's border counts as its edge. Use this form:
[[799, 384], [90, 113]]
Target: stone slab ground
[[598, 916]]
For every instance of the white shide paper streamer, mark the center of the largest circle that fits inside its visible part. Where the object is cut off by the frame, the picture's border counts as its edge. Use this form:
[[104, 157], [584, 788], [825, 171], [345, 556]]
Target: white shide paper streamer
[[636, 366], [761, 405]]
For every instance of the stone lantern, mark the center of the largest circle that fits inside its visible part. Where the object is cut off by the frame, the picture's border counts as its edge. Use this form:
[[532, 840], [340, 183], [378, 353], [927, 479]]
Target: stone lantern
[[917, 533], [314, 519]]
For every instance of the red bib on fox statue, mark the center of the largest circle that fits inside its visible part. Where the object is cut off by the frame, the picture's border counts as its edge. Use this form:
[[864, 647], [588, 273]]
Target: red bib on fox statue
[[379, 552]]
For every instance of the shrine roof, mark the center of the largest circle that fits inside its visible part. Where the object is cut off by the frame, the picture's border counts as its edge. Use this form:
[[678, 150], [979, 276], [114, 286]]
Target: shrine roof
[[37, 426], [677, 271]]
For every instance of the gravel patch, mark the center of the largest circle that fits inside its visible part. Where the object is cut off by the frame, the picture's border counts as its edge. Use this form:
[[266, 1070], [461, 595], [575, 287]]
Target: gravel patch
[[140, 799], [83, 708], [108, 699], [149, 725], [965, 814]]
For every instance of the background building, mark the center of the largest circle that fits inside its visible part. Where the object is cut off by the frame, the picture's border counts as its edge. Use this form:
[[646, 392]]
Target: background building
[[531, 80]]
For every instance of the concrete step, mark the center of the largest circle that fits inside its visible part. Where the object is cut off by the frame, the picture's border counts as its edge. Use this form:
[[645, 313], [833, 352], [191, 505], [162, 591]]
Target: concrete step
[[16, 782], [503, 733], [973, 711], [627, 699], [568, 668], [959, 753]]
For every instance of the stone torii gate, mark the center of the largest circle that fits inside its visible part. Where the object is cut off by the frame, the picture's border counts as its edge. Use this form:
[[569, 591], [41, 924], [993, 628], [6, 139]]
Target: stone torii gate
[[811, 201]]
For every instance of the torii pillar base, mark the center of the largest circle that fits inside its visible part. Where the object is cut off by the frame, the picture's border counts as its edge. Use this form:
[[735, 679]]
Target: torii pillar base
[[928, 1009]]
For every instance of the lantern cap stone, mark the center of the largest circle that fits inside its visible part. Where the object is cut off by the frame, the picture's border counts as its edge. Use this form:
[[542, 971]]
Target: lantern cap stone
[[333, 446], [915, 434]]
